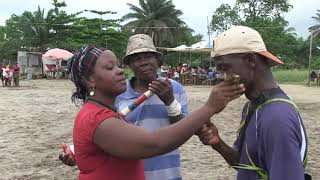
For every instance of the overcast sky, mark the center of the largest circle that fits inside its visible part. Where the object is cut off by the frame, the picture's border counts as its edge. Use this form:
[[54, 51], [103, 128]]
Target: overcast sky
[[195, 12]]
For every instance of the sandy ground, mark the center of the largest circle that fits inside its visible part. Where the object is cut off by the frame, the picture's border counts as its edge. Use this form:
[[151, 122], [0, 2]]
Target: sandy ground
[[39, 115]]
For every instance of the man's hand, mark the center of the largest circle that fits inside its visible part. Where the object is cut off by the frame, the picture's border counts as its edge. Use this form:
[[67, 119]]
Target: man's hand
[[163, 89], [67, 158], [208, 134]]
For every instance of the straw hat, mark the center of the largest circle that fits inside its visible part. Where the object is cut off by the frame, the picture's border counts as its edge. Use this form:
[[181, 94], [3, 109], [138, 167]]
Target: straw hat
[[242, 39], [140, 43]]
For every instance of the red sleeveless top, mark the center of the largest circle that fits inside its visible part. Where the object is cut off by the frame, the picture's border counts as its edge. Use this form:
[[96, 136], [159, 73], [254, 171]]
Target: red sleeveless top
[[92, 161]]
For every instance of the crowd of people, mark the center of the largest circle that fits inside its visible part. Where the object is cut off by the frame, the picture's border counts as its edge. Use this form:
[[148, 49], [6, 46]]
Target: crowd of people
[[186, 74], [10, 74]]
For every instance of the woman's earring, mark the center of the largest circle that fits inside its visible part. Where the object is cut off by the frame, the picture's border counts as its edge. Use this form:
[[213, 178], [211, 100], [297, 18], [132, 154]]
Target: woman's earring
[[92, 92]]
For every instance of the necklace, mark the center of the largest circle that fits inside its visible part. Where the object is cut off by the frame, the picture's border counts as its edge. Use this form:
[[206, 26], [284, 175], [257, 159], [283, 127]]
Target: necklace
[[102, 104]]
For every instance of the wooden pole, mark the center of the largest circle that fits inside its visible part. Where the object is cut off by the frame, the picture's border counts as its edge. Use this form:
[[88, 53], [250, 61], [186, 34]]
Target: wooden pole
[[310, 55], [57, 68], [208, 27]]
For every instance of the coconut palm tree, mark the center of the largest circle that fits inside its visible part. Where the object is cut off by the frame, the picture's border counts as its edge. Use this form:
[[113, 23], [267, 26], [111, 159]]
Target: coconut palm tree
[[37, 26], [290, 31], [316, 28], [157, 18]]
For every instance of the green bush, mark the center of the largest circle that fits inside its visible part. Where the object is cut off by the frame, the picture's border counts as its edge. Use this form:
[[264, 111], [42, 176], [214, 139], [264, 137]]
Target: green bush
[[128, 73], [295, 76]]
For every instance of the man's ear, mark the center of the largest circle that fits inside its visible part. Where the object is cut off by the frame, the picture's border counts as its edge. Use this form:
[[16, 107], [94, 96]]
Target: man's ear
[[251, 59]]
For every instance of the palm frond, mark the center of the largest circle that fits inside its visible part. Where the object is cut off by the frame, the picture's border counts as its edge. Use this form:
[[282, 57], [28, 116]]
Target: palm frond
[[133, 16], [152, 14], [144, 6], [136, 9]]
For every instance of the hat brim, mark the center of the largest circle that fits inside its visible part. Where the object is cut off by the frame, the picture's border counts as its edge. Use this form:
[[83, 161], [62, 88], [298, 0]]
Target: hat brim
[[274, 61], [125, 59]]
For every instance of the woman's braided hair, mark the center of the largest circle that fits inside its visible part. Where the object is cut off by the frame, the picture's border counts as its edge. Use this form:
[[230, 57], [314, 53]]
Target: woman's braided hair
[[81, 66]]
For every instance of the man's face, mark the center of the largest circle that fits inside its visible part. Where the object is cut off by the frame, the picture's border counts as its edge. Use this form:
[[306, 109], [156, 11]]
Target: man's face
[[144, 65], [239, 64]]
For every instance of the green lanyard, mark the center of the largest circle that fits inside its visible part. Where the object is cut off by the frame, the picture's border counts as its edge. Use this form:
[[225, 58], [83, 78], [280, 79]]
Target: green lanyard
[[263, 173]]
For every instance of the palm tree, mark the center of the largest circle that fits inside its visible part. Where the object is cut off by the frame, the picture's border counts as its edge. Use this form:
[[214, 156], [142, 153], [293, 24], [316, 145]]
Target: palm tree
[[290, 31], [38, 26], [316, 28], [157, 18]]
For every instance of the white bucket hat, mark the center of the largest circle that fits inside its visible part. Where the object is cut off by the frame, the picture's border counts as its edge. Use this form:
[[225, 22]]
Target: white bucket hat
[[242, 39], [140, 43]]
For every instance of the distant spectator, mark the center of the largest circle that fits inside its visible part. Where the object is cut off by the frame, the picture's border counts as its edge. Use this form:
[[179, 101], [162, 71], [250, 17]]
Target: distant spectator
[[200, 70], [6, 73], [318, 79], [176, 75], [170, 72], [194, 71], [16, 74], [1, 71], [211, 74], [179, 67], [164, 70], [184, 69], [313, 76]]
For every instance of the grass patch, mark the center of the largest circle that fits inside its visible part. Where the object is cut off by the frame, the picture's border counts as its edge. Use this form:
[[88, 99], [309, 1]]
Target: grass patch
[[291, 76]]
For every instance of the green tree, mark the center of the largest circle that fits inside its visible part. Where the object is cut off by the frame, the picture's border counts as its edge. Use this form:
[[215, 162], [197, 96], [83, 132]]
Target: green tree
[[31, 29], [158, 18], [316, 28], [15, 37], [37, 26], [56, 28], [253, 10], [2, 35], [224, 17], [38, 30], [265, 16], [89, 31], [2, 41]]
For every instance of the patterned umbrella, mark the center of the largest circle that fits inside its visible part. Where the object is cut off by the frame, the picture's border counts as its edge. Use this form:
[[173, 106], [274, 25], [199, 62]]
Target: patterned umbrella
[[57, 54]]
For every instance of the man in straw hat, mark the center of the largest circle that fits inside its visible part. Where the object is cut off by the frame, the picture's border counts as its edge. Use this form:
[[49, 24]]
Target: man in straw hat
[[272, 141], [168, 106]]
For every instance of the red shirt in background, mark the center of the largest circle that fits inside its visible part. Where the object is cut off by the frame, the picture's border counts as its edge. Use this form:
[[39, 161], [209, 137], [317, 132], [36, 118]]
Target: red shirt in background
[[92, 161], [16, 67]]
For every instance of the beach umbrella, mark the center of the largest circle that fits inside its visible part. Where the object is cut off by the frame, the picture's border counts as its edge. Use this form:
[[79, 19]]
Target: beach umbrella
[[57, 54]]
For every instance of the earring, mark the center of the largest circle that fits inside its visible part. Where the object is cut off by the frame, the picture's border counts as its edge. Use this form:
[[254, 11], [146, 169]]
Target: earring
[[92, 92]]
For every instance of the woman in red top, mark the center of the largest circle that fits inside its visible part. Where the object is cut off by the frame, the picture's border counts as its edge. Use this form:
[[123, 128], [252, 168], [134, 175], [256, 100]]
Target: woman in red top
[[106, 145], [16, 74]]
